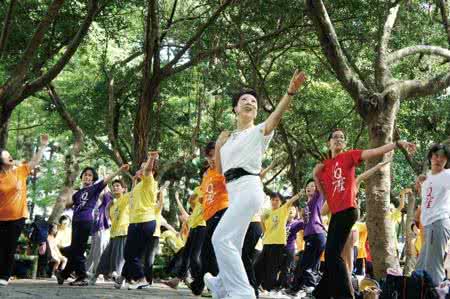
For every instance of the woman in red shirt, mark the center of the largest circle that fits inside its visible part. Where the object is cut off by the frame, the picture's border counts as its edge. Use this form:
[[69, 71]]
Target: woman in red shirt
[[336, 176]]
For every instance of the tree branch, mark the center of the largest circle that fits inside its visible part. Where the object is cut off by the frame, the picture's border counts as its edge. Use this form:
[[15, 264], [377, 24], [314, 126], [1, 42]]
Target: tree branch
[[197, 35], [420, 88], [169, 22], [54, 71], [215, 51], [444, 13], [333, 51], [413, 50], [6, 29], [382, 73], [15, 81]]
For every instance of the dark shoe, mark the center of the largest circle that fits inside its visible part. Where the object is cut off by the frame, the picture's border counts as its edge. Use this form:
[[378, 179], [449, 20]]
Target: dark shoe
[[79, 282], [59, 277]]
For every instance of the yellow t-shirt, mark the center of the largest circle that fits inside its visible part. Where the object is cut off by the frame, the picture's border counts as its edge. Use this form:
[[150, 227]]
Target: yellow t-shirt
[[143, 199], [157, 232], [63, 237], [275, 225], [13, 193], [119, 211], [172, 240], [196, 218], [362, 229]]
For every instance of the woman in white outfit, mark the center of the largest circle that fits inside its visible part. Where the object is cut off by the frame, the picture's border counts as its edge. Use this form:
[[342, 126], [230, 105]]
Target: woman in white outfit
[[239, 156]]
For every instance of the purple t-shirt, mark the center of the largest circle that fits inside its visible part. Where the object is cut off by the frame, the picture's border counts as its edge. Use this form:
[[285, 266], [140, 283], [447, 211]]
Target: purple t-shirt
[[100, 218], [84, 201], [313, 218], [292, 228]]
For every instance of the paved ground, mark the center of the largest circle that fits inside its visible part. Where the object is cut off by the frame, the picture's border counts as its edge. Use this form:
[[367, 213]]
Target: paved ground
[[48, 289]]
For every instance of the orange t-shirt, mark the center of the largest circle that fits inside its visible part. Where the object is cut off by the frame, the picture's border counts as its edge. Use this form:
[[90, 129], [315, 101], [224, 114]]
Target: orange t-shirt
[[13, 193], [215, 196]]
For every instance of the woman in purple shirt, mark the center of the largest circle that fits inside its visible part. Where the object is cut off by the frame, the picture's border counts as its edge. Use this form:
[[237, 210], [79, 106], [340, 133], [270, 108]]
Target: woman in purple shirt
[[315, 239], [84, 202]]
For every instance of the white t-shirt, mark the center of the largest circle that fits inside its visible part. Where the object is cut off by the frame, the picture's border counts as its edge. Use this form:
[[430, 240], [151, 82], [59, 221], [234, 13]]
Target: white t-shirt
[[245, 149], [436, 197]]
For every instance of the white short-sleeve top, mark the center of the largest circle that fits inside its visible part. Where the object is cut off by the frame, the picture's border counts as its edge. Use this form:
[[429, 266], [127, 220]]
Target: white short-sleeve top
[[245, 149]]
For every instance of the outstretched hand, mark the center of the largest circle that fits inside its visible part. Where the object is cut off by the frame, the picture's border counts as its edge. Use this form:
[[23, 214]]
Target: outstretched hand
[[297, 80], [125, 168]]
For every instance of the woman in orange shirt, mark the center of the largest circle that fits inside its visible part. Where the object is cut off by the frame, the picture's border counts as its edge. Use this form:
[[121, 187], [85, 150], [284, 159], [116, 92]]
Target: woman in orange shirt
[[13, 205]]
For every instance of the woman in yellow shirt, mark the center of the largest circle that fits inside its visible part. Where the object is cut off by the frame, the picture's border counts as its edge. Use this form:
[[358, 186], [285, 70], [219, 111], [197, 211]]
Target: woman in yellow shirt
[[142, 226], [193, 248], [268, 265], [13, 205]]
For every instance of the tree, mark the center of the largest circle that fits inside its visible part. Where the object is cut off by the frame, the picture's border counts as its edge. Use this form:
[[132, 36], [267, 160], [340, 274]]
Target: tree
[[31, 73], [377, 98]]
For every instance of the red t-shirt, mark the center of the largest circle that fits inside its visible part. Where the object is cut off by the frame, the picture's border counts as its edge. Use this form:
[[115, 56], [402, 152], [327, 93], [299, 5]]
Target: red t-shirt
[[339, 181]]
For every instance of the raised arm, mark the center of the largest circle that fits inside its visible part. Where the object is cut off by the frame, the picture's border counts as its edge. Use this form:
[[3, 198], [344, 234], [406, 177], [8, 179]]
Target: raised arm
[[38, 156], [161, 193], [223, 137], [293, 199], [152, 156], [379, 151], [109, 178], [368, 173], [180, 206], [275, 117]]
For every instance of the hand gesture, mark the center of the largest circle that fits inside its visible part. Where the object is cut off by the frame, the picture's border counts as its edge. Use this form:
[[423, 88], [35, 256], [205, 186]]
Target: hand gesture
[[408, 146], [297, 80], [125, 168], [223, 137], [153, 155], [44, 139]]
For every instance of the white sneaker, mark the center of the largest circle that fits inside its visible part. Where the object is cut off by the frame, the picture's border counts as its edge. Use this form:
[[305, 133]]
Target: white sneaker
[[277, 294], [3, 283], [115, 275], [213, 284], [101, 278]]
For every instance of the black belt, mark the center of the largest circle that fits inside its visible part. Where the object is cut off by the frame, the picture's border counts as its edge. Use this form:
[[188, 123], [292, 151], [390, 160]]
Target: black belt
[[235, 173]]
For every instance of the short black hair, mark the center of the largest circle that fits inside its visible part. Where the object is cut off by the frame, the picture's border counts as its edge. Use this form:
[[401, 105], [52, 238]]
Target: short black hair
[[235, 98], [94, 173], [439, 147], [121, 182], [277, 194], [309, 181], [1, 158], [335, 130], [209, 147]]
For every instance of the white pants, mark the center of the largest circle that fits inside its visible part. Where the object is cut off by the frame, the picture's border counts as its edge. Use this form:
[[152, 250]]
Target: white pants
[[99, 243], [246, 197]]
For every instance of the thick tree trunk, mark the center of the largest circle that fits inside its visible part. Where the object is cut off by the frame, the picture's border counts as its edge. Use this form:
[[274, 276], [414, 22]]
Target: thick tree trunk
[[410, 261], [5, 115], [380, 226]]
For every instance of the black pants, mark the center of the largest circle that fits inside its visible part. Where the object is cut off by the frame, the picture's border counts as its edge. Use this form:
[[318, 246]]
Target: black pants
[[174, 265], [287, 270], [307, 267], [139, 241], [208, 257], [192, 253], [149, 258], [81, 230], [10, 232], [336, 281], [268, 265], [252, 237]]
